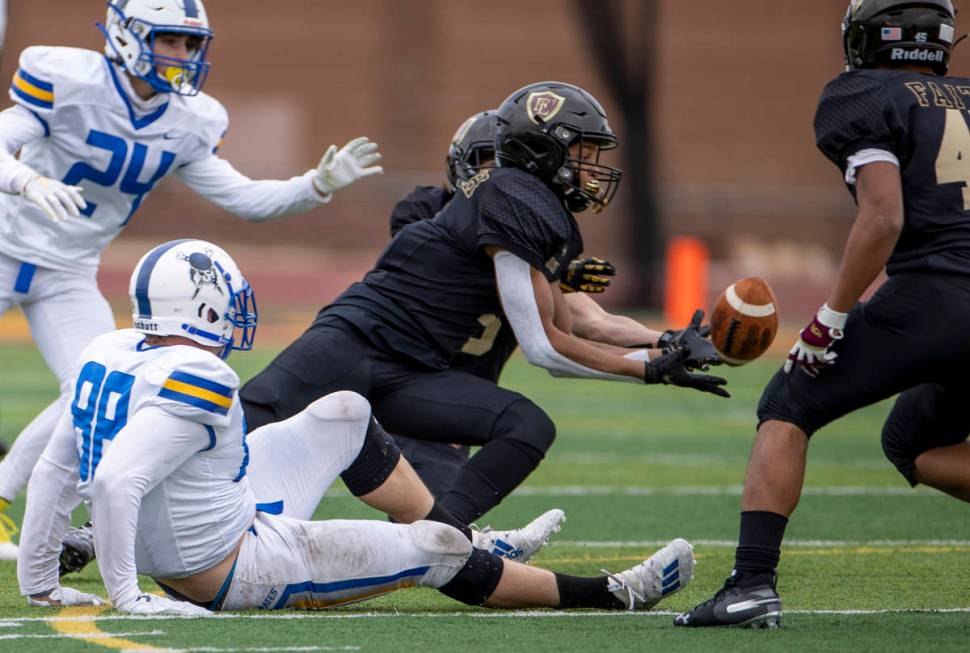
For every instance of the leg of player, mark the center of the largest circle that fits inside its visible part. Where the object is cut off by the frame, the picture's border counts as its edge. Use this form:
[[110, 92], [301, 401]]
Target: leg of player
[[295, 461], [947, 469]]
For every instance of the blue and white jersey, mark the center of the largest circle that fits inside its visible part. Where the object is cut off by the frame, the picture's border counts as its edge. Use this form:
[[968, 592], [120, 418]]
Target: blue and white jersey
[[96, 139], [192, 517]]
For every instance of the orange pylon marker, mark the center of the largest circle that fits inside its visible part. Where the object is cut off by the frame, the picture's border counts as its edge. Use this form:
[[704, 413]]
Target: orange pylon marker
[[688, 262]]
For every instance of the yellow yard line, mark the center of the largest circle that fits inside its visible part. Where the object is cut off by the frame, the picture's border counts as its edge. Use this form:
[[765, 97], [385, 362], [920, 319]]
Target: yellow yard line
[[78, 630]]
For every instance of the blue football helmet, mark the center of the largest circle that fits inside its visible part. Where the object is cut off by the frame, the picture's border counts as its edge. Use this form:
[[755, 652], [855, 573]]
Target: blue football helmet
[[130, 31]]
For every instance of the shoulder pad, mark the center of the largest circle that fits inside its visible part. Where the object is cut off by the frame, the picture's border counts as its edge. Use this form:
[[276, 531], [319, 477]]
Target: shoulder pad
[[206, 117], [855, 112], [196, 385], [423, 203], [525, 201]]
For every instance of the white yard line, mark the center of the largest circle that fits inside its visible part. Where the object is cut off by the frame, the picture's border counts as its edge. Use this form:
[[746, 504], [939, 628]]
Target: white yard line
[[835, 544], [697, 490], [521, 614], [148, 633]]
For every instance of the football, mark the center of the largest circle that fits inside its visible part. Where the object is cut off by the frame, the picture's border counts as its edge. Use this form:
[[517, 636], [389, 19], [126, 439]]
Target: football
[[744, 321]]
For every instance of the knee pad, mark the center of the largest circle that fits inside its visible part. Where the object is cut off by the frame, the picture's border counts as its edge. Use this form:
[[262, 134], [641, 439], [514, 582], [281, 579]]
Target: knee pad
[[377, 459], [447, 548], [900, 448], [527, 427], [477, 580], [342, 406]]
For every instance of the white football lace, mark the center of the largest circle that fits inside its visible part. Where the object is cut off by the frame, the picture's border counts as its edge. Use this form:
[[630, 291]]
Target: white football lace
[[633, 597]]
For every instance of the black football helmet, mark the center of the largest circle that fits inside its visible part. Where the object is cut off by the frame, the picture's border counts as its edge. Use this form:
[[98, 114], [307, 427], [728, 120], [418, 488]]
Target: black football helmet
[[888, 32], [472, 147], [536, 127]]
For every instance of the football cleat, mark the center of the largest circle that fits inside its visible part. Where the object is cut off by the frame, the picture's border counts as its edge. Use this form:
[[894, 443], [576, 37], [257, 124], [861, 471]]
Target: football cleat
[[520, 544], [77, 550], [757, 606], [666, 572], [8, 528]]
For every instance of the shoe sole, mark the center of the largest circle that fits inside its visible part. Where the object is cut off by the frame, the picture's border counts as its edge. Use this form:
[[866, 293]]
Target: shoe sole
[[555, 514], [767, 621]]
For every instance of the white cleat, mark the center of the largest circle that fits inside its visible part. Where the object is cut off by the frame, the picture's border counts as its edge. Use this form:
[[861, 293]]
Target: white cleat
[[8, 550], [522, 543], [666, 572]]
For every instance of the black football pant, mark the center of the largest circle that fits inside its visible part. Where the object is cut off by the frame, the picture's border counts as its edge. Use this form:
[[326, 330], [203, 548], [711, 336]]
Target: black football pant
[[446, 406], [913, 337]]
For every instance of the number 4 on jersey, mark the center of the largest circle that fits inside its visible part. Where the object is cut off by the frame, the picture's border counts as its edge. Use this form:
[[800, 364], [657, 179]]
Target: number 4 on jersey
[[953, 160]]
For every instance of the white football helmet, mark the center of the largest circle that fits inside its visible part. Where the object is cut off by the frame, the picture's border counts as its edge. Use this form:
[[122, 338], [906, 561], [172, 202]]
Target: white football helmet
[[130, 30], [194, 289]]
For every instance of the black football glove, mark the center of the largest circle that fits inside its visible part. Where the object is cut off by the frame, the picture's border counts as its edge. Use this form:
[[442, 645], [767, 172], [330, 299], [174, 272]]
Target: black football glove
[[670, 369], [693, 338], [589, 275]]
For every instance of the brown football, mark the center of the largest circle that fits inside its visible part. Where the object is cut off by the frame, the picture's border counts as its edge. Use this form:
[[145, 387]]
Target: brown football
[[744, 321]]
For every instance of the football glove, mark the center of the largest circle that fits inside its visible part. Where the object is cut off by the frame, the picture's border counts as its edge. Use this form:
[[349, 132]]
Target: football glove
[[340, 168], [811, 352], [151, 604], [58, 201], [63, 597], [694, 338], [589, 275], [670, 369]]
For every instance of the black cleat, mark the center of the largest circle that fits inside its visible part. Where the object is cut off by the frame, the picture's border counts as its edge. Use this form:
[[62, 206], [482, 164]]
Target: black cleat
[[77, 549], [752, 606]]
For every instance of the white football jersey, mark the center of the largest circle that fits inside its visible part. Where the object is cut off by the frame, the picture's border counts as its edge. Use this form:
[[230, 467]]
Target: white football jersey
[[193, 517], [97, 140]]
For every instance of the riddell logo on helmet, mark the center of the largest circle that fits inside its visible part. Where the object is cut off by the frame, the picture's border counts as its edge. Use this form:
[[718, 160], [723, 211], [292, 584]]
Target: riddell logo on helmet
[[929, 56]]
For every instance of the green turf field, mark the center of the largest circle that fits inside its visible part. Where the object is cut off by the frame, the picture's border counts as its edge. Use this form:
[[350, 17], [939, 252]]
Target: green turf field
[[869, 565]]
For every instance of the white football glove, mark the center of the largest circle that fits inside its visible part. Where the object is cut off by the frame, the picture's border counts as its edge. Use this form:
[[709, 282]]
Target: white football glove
[[811, 352], [152, 604], [59, 201], [340, 168], [65, 596]]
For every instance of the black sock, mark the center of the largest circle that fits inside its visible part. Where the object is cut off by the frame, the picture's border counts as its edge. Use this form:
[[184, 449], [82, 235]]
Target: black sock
[[585, 592], [759, 543], [440, 514], [488, 477]]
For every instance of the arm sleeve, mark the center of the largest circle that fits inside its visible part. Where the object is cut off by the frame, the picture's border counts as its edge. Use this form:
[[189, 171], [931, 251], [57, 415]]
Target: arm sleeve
[[51, 498], [856, 113], [18, 126], [864, 157], [148, 449], [519, 302], [216, 180], [524, 217]]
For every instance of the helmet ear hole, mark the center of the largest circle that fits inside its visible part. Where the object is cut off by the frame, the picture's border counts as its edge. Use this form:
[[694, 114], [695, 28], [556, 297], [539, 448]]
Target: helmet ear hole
[[212, 316]]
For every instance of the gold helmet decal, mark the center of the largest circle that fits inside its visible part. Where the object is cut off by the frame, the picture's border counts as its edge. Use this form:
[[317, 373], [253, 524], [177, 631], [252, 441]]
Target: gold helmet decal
[[543, 106]]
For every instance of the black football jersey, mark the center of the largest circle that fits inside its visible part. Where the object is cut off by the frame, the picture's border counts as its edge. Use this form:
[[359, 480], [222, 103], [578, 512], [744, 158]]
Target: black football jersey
[[422, 204], [923, 120], [432, 293]]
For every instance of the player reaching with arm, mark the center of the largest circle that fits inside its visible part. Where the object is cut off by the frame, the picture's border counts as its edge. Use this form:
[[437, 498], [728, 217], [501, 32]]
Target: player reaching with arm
[[471, 151], [393, 336], [96, 133], [896, 126], [154, 439]]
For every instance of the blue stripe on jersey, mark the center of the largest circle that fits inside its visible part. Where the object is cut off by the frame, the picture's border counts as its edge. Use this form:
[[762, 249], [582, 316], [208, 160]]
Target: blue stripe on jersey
[[336, 586], [145, 275], [212, 438], [47, 127], [42, 85], [193, 401], [136, 122], [274, 508], [30, 99], [191, 9], [201, 382], [24, 277]]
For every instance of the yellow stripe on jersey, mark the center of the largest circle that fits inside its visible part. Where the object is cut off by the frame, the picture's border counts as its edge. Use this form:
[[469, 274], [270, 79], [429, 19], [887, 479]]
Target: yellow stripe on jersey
[[31, 90], [197, 392]]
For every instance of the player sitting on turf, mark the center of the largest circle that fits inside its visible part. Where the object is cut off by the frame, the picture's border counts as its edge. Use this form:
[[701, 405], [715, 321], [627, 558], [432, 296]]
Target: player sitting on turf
[[155, 441], [499, 248], [896, 126], [96, 132], [472, 150]]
